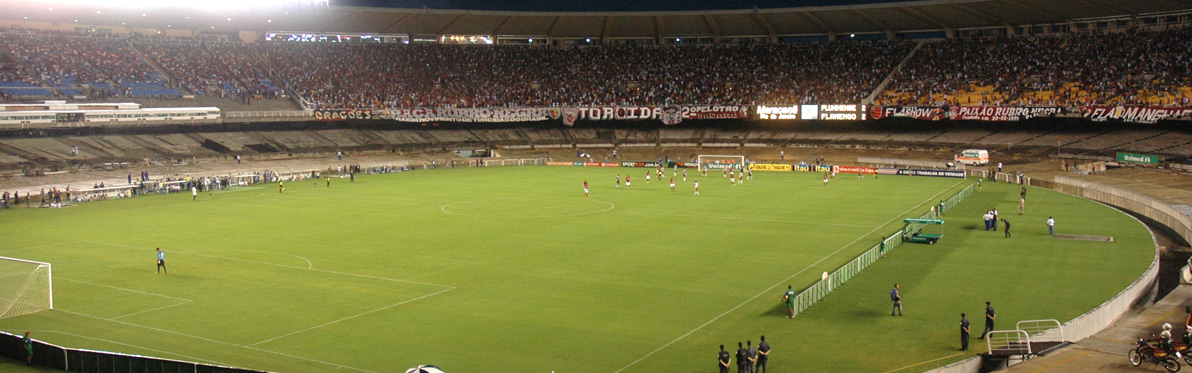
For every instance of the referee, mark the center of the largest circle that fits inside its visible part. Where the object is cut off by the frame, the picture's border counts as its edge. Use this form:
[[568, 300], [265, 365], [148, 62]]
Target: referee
[[161, 261]]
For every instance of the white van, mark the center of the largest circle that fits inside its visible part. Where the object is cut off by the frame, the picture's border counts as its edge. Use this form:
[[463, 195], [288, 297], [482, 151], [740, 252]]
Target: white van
[[974, 157]]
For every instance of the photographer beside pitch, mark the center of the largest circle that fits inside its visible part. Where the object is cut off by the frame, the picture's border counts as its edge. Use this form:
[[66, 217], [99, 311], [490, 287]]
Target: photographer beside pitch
[[789, 298]]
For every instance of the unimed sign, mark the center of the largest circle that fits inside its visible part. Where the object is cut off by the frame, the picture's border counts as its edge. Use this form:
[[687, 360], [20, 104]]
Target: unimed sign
[[1138, 158]]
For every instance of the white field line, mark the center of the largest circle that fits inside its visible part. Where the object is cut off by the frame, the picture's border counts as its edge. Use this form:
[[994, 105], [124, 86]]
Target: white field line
[[191, 358], [181, 301], [151, 310], [281, 265], [354, 316], [779, 283], [219, 342], [125, 289]]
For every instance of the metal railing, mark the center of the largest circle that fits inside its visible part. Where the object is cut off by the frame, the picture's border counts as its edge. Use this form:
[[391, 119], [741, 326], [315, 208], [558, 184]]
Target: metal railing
[[1011, 342], [268, 114], [816, 292], [1048, 329]]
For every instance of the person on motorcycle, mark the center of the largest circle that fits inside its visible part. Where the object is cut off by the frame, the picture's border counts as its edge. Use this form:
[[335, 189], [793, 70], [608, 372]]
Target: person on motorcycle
[[1165, 341]]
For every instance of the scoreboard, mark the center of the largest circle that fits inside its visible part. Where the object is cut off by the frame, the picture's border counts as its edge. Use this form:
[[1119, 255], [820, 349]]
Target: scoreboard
[[814, 112]]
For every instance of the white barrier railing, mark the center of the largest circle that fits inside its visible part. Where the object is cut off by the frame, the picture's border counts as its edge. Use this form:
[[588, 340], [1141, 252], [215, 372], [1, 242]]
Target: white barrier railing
[[1012, 342], [1042, 330]]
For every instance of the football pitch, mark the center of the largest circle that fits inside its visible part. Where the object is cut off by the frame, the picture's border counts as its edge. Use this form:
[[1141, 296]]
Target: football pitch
[[513, 269]]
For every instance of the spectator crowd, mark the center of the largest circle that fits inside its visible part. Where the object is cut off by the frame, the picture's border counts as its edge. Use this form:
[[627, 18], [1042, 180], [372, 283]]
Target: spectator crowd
[[1103, 68], [385, 76], [1090, 68]]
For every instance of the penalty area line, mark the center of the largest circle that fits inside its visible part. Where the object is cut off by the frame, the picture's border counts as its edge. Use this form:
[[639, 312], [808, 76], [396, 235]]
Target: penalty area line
[[217, 341], [192, 358], [779, 283], [280, 265], [354, 316]]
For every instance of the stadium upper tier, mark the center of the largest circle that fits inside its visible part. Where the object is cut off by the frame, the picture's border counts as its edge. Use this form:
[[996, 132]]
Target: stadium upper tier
[[1134, 67]]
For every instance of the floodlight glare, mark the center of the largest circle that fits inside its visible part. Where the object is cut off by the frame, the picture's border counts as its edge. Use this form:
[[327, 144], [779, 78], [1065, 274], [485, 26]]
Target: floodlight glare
[[205, 5]]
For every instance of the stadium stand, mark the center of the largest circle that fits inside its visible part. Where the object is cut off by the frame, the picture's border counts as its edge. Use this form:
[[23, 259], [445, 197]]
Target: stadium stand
[[1034, 70], [385, 76], [1102, 68]]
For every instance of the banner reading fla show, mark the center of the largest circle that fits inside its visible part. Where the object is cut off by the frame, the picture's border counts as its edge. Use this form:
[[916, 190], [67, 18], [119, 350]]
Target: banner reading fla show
[[1132, 114]]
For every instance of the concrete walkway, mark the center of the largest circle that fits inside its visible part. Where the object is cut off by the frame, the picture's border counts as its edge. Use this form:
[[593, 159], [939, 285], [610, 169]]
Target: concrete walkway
[[1106, 351]]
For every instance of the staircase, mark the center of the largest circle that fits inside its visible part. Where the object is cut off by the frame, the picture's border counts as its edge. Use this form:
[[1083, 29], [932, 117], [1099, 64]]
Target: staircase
[[886, 82]]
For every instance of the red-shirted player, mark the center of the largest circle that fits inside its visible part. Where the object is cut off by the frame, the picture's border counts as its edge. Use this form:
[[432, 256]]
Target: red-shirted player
[[672, 184], [627, 184], [585, 188]]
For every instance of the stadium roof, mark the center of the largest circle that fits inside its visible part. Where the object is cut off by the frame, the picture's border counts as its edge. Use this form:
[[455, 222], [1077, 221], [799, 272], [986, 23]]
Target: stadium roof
[[912, 16]]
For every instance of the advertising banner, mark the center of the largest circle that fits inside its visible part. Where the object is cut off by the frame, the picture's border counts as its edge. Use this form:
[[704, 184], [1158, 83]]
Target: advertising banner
[[935, 173], [856, 170], [1001, 113], [342, 115], [1138, 158], [811, 168], [1135, 114], [770, 167], [887, 171], [672, 164], [778, 112], [635, 164], [917, 112], [599, 164], [557, 163]]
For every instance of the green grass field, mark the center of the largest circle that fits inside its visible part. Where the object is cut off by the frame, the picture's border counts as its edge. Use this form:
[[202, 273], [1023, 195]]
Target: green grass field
[[512, 269]]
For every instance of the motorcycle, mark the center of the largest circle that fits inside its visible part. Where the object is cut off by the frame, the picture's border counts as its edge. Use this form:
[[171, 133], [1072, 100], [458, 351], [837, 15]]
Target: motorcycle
[[1146, 352]]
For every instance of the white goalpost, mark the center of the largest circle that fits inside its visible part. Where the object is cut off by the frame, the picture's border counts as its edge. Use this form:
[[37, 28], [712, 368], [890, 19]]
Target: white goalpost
[[26, 287], [719, 162]]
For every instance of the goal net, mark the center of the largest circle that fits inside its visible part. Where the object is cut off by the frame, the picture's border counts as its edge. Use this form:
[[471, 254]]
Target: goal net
[[720, 162], [25, 287], [512, 162]]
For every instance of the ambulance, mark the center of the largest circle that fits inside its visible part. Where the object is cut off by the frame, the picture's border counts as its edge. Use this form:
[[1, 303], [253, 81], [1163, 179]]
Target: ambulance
[[974, 157]]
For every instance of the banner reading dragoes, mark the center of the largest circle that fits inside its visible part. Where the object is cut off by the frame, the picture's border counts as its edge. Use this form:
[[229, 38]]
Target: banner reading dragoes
[[769, 167], [1135, 114], [341, 115]]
